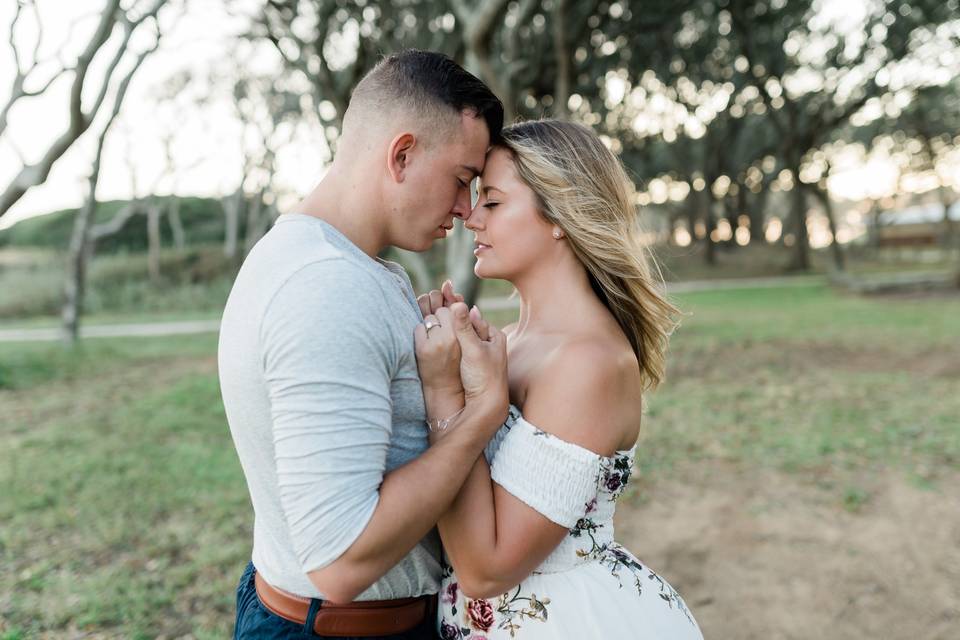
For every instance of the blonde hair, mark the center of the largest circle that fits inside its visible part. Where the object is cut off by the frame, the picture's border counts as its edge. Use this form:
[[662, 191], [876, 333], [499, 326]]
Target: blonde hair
[[583, 189]]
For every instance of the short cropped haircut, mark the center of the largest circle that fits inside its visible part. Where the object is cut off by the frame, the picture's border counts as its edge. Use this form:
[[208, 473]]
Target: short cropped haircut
[[429, 84]]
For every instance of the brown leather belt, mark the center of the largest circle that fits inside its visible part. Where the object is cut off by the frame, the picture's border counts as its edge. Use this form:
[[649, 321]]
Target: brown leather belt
[[362, 619]]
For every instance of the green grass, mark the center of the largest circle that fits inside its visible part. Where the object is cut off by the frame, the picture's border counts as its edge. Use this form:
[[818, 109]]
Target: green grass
[[192, 281], [29, 365], [804, 379], [816, 313], [119, 317], [124, 502], [124, 512]]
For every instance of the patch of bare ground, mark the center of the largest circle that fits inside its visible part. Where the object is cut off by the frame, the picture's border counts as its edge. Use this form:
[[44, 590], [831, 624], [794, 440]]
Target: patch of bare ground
[[765, 555]]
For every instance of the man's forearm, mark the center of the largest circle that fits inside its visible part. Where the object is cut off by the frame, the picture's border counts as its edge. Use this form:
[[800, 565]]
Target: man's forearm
[[412, 499], [469, 527]]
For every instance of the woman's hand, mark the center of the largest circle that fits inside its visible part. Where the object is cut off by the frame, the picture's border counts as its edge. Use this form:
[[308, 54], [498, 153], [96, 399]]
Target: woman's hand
[[438, 298], [483, 363]]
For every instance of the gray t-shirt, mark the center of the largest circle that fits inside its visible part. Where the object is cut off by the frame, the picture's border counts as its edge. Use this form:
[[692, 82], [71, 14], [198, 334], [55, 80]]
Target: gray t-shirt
[[320, 385]]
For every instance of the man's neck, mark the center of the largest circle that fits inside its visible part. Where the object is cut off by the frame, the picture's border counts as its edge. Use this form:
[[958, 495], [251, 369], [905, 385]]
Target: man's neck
[[347, 204]]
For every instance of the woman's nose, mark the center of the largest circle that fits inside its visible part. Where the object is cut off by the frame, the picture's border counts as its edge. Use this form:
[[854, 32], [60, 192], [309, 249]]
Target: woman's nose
[[475, 220]]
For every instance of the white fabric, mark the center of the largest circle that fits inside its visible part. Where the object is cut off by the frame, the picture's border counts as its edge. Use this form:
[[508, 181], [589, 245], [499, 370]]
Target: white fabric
[[554, 477], [589, 586]]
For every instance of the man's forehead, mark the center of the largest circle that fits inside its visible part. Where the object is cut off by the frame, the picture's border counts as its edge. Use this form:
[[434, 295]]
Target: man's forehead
[[467, 146], [475, 131], [476, 171]]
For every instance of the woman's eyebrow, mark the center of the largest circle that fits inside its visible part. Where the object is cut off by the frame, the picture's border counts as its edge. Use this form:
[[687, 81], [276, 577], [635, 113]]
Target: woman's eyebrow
[[490, 187]]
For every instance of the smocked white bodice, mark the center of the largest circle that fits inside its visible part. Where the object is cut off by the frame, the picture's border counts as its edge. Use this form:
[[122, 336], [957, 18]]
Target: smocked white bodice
[[572, 486]]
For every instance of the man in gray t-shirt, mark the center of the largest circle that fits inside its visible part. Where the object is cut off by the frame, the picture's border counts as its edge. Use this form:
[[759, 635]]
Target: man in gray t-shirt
[[319, 376]]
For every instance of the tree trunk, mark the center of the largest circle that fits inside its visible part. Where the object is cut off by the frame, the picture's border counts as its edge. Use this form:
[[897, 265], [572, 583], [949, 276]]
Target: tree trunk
[[839, 261], [562, 57], [154, 212], [758, 214], [78, 256], [232, 205], [730, 212], [692, 213], [710, 223], [873, 225], [176, 224], [949, 230], [801, 243], [253, 231], [81, 244], [743, 208]]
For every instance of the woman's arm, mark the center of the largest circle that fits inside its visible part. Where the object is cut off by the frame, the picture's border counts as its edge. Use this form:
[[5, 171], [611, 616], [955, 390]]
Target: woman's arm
[[487, 564], [493, 539]]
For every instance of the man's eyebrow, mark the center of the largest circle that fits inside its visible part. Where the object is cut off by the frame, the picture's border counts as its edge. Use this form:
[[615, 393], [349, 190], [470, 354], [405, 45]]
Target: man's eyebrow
[[472, 170]]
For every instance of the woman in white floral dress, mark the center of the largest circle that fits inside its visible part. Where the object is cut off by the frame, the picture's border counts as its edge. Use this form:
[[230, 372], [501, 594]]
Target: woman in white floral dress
[[529, 539]]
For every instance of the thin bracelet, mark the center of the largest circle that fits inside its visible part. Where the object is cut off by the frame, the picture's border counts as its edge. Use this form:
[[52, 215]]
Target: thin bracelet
[[441, 424]]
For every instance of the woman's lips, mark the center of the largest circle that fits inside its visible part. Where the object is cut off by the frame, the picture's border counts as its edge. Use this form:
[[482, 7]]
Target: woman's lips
[[480, 248]]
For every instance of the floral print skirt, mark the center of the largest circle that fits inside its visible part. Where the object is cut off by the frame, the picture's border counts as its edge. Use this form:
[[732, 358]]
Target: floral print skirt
[[612, 595]]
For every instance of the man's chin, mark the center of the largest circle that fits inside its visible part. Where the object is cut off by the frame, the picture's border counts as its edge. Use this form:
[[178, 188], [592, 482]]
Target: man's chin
[[417, 246]]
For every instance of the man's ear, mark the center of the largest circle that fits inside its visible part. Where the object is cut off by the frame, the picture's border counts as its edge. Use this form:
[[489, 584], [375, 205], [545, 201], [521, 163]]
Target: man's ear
[[398, 155]]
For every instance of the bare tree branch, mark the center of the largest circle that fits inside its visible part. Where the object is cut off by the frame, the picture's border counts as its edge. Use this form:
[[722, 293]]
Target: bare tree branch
[[18, 84], [79, 119], [81, 246]]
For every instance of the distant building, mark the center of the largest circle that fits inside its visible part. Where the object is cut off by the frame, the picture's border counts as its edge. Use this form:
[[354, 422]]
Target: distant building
[[917, 226]]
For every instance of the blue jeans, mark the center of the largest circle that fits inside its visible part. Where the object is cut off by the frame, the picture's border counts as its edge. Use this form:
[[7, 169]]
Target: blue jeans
[[255, 622]]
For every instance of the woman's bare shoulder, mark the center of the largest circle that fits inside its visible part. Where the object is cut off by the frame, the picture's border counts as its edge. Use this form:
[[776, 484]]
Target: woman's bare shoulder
[[586, 390]]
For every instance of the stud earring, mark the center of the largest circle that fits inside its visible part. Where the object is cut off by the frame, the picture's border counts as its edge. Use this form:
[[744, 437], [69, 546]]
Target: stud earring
[[557, 235]]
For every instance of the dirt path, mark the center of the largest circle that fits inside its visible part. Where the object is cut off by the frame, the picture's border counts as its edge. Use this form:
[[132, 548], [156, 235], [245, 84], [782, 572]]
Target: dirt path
[[771, 556]]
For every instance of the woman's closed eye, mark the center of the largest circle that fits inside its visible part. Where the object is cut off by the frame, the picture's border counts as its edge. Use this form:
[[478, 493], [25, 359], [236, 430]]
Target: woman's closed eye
[[490, 205]]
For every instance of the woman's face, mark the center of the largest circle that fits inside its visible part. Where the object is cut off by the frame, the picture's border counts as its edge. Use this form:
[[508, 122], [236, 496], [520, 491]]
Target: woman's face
[[510, 233]]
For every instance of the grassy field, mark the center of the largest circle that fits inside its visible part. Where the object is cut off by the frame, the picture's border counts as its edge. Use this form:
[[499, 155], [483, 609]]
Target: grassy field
[[123, 511], [194, 282]]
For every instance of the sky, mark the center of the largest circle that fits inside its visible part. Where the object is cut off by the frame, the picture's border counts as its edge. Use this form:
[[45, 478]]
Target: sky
[[207, 142]]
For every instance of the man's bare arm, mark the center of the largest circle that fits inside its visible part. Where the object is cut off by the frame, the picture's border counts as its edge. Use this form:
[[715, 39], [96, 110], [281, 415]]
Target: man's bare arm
[[412, 499]]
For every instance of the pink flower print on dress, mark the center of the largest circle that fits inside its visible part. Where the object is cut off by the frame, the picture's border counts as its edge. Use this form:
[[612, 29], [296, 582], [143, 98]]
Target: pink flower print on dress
[[480, 613]]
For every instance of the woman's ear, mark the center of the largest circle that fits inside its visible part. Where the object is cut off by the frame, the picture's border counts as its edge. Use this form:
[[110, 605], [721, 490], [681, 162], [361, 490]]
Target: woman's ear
[[398, 155]]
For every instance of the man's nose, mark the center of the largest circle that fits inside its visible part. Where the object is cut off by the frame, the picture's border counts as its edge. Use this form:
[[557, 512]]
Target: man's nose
[[461, 208]]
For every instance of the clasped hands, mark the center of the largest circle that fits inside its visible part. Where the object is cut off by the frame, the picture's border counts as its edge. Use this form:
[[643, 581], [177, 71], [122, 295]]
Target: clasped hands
[[461, 357]]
